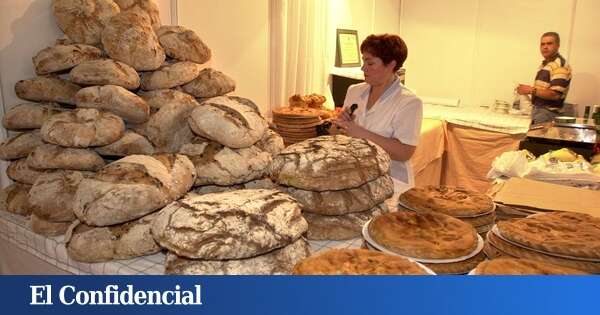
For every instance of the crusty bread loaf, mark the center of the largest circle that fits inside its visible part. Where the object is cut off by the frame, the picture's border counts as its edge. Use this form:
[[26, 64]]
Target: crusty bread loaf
[[115, 99], [210, 83], [170, 75], [50, 156], [83, 20], [30, 115], [19, 170], [82, 128], [47, 89], [263, 183], [340, 227], [122, 241], [105, 72], [52, 195], [131, 143], [132, 187], [271, 142], [48, 228], [157, 98], [63, 57], [14, 198], [183, 44], [129, 38], [20, 145], [277, 262], [230, 225], [149, 6], [228, 121]]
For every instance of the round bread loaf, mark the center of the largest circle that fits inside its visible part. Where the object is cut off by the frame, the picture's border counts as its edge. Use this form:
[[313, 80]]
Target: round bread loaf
[[330, 163], [271, 142], [131, 143], [83, 20], [132, 187], [129, 38], [340, 227], [170, 75], [50, 156], [229, 225], [53, 193], [47, 89], [115, 99], [105, 72], [228, 121], [280, 261], [14, 198], [48, 228], [20, 145], [19, 170], [30, 115], [183, 44], [63, 57], [148, 6], [82, 128], [210, 83], [263, 183]]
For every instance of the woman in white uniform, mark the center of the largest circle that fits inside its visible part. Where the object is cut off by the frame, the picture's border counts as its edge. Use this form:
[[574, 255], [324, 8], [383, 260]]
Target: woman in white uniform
[[387, 113]]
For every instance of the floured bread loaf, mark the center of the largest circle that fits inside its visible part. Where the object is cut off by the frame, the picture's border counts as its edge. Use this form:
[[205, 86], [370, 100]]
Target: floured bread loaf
[[30, 115], [83, 20], [229, 225], [357, 262], [50, 156], [219, 165], [53, 193], [313, 163], [280, 261], [105, 72], [20, 171], [149, 6], [157, 98], [20, 145], [47, 89], [115, 99], [82, 128], [339, 202], [122, 241], [132, 187], [271, 142], [48, 228], [340, 227], [170, 75], [63, 57], [131, 143], [229, 122], [516, 266], [183, 44], [14, 198], [168, 129], [210, 83], [263, 183], [129, 38]]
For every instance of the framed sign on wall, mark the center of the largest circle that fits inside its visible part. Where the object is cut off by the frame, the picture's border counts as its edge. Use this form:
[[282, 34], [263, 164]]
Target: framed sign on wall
[[347, 53]]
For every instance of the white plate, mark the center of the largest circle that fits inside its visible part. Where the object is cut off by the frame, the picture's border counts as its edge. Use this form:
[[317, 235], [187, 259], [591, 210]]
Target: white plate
[[429, 271], [458, 217], [370, 241]]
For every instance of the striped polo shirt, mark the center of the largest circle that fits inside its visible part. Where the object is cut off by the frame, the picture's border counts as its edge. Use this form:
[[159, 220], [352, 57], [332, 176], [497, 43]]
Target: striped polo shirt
[[555, 75]]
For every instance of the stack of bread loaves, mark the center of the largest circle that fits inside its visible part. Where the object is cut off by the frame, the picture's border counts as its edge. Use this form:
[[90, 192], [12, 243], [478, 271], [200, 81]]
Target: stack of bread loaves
[[252, 231], [340, 181]]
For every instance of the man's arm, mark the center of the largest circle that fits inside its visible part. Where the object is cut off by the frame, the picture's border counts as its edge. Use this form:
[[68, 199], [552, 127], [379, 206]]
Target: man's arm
[[547, 94]]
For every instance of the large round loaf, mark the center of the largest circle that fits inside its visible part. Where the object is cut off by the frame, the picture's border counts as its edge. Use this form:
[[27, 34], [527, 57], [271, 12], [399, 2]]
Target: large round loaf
[[277, 262], [170, 75], [82, 128], [229, 225], [131, 143], [132, 187], [263, 183], [14, 198], [229, 122], [122, 241], [340, 227], [146, 5], [219, 165], [183, 44], [50, 156], [105, 72], [115, 99], [19, 170], [30, 115], [210, 83], [271, 142], [47, 89], [20, 145], [83, 20], [339, 202], [48, 228], [129, 38], [63, 57], [53, 193], [330, 163]]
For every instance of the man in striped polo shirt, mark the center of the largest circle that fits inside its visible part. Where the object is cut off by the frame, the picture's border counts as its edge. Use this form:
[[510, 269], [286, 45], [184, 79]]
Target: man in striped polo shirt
[[551, 82]]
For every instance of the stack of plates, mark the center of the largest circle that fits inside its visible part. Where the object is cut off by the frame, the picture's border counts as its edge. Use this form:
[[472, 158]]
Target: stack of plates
[[561, 238], [296, 124]]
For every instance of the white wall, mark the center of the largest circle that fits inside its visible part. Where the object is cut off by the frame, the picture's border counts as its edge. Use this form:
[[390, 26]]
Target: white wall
[[367, 16], [237, 32], [478, 50]]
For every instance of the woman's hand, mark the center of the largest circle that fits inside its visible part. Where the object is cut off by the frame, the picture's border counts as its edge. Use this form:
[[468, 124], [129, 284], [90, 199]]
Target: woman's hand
[[350, 128]]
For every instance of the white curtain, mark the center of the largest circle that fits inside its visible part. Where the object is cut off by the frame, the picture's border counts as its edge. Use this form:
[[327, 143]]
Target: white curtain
[[302, 49]]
